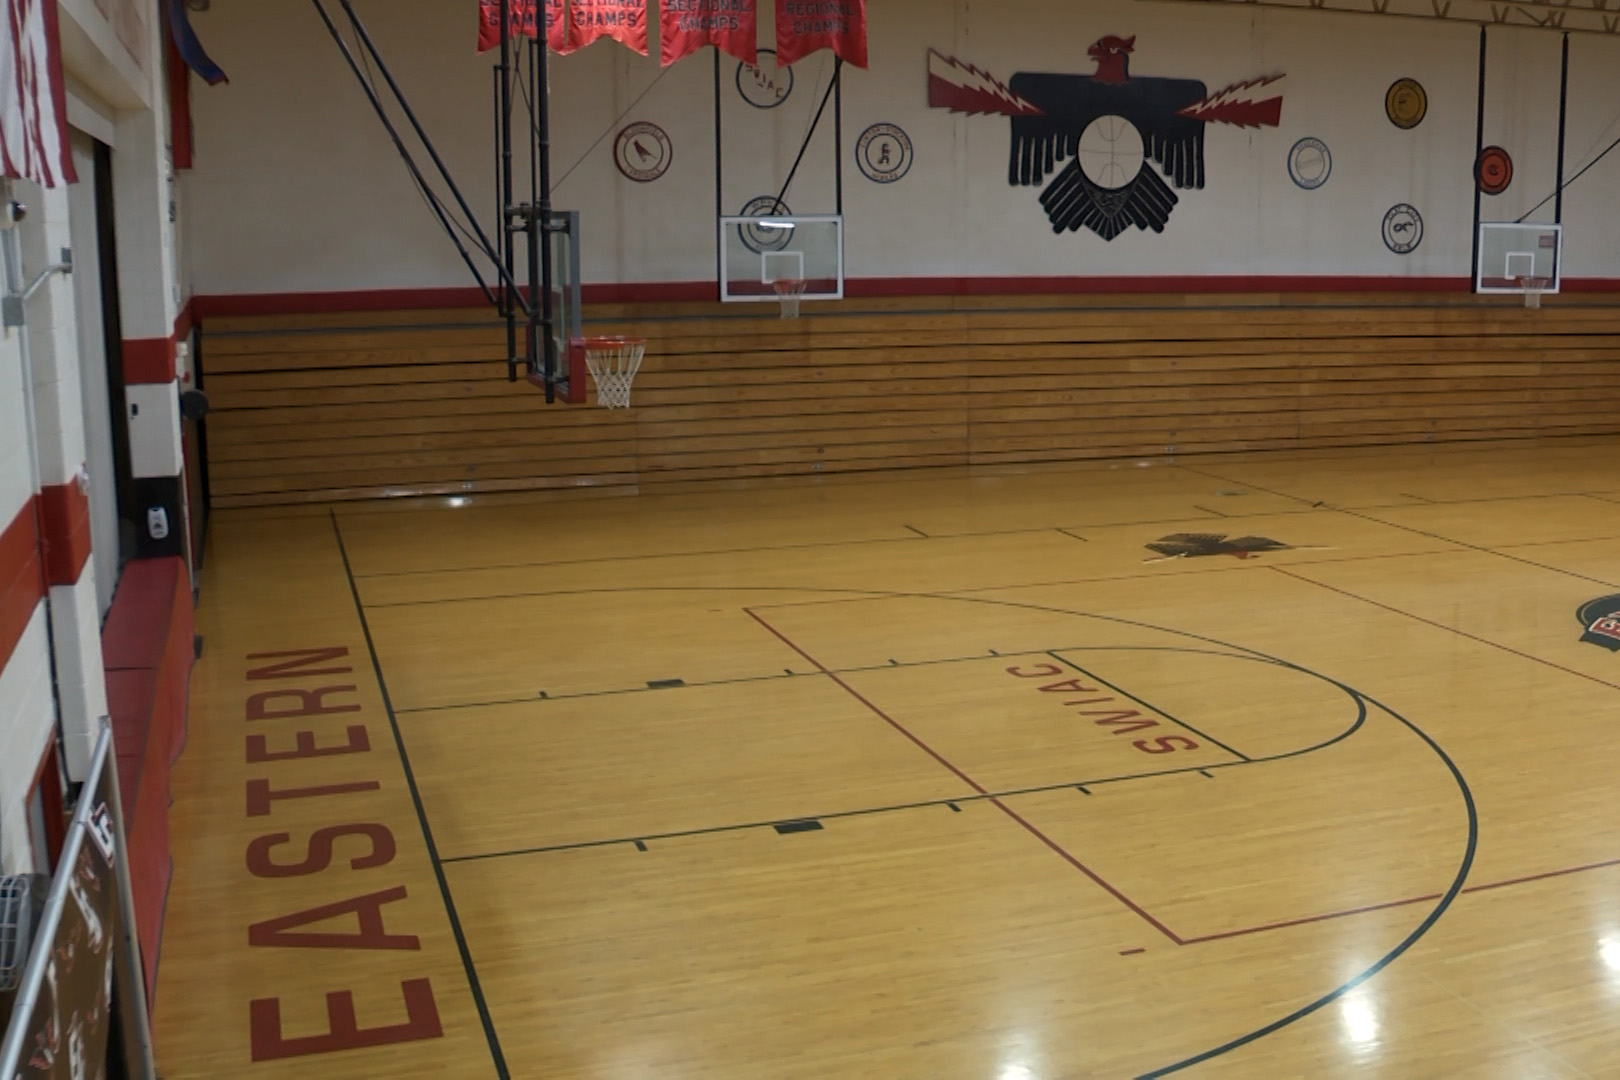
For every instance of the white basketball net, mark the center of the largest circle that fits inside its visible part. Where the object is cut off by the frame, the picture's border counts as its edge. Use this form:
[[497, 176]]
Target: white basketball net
[[1532, 291], [790, 291], [613, 363]]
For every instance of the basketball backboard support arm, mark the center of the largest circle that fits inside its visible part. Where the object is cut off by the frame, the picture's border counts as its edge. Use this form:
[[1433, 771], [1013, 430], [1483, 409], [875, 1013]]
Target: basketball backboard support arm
[[399, 144], [838, 70], [532, 218]]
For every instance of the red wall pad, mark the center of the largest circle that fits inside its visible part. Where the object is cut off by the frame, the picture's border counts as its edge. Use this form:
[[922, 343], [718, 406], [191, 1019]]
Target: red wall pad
[[147, 647]]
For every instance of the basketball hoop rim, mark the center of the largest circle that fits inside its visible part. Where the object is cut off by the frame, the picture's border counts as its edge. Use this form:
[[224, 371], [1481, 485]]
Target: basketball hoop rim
[[610, 342]]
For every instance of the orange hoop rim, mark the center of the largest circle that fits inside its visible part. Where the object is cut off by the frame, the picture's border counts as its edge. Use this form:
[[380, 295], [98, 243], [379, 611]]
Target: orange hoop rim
[[611, 342]]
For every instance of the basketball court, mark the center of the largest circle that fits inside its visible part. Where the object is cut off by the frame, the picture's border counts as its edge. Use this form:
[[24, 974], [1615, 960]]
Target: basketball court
[[928, 777], [1043, 651]]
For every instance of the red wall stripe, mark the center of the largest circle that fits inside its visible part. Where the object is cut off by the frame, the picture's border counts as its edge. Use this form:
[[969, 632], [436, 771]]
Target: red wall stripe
[[303, 303], [22, 584], [148, 360], [64, 517]]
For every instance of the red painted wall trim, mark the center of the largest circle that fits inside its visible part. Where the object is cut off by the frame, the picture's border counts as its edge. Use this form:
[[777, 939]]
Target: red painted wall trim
[[179, 78], [148, 360], [302, 303], [22, 584], [220, 306], [64, 518]]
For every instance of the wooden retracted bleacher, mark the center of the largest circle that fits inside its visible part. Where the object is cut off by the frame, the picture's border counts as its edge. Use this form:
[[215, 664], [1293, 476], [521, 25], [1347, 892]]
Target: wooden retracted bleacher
[[343, 407]]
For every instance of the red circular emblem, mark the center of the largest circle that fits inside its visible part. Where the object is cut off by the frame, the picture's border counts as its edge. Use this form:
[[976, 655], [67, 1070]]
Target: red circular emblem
[[1495, 170]]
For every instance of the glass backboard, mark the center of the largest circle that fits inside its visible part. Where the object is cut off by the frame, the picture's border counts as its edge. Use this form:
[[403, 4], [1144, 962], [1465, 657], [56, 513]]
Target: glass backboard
[[1517, 257], [567, 376], [757, 252]]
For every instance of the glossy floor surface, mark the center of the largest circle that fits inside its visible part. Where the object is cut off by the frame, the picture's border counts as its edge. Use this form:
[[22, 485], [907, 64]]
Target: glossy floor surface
[[934, 777]]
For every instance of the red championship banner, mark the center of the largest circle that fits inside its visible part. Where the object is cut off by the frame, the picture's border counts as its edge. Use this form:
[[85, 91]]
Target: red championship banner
[[803, 26], [522, 16], [732, 26], [625, 21]]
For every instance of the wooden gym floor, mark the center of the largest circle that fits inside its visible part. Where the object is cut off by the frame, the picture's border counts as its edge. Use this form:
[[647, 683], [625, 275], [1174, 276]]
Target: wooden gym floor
[[935, 777]]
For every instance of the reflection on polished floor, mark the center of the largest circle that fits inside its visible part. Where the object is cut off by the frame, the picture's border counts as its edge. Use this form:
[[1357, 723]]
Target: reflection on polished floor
[[937, 776]]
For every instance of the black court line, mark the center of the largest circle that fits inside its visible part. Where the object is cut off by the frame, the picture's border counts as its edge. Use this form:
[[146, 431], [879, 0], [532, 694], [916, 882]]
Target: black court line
[[706, 552], [1215, 513], [643, 556], [1499, 552], [1362, 702], [1027, 825], [1555, 543], [1071, 533], [1449, 629], [741, 680], [866, 596], [843, 596], [1081, 785], [467, 964], [1482, 549], [954, 802], [1147, 705], [1458, 881], [546, 695]]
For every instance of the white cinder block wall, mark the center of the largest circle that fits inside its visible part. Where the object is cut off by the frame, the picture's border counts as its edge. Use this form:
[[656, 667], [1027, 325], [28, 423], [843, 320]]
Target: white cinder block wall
[[297, 189], [50, 624], [25, 681]]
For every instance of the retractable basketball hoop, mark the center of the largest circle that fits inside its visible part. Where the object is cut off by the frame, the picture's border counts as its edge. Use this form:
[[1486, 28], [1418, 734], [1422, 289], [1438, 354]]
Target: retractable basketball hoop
[[790, 292], [613, 363], [1524, 258]]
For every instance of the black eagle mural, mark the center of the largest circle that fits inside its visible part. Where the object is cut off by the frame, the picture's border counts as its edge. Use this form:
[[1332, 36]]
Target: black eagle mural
[[1100, 136]]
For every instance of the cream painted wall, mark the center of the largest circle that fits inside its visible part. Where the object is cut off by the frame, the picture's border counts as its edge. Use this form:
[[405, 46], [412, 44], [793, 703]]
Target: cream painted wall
[[297, 189]]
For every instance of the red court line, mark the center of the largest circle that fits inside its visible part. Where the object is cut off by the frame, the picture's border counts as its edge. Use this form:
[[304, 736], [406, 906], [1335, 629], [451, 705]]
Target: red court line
[[1482, 887], [1134, 907], [1224, 934], [965, 778]]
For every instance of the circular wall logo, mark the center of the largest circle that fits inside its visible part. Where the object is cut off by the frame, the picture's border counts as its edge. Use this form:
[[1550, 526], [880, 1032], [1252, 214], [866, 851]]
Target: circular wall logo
[[764, 85], [1494, 171], [1110, 152], [1406, 103], [1403, 228], [759, 237], [883, 153], [1310, 163], [643, 152]]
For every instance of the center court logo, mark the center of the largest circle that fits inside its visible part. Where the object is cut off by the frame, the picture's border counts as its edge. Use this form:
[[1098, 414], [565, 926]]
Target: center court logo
[[1601, 618]]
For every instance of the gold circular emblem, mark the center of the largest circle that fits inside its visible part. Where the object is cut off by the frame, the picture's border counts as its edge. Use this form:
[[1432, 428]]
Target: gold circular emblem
[[1406, 103]]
